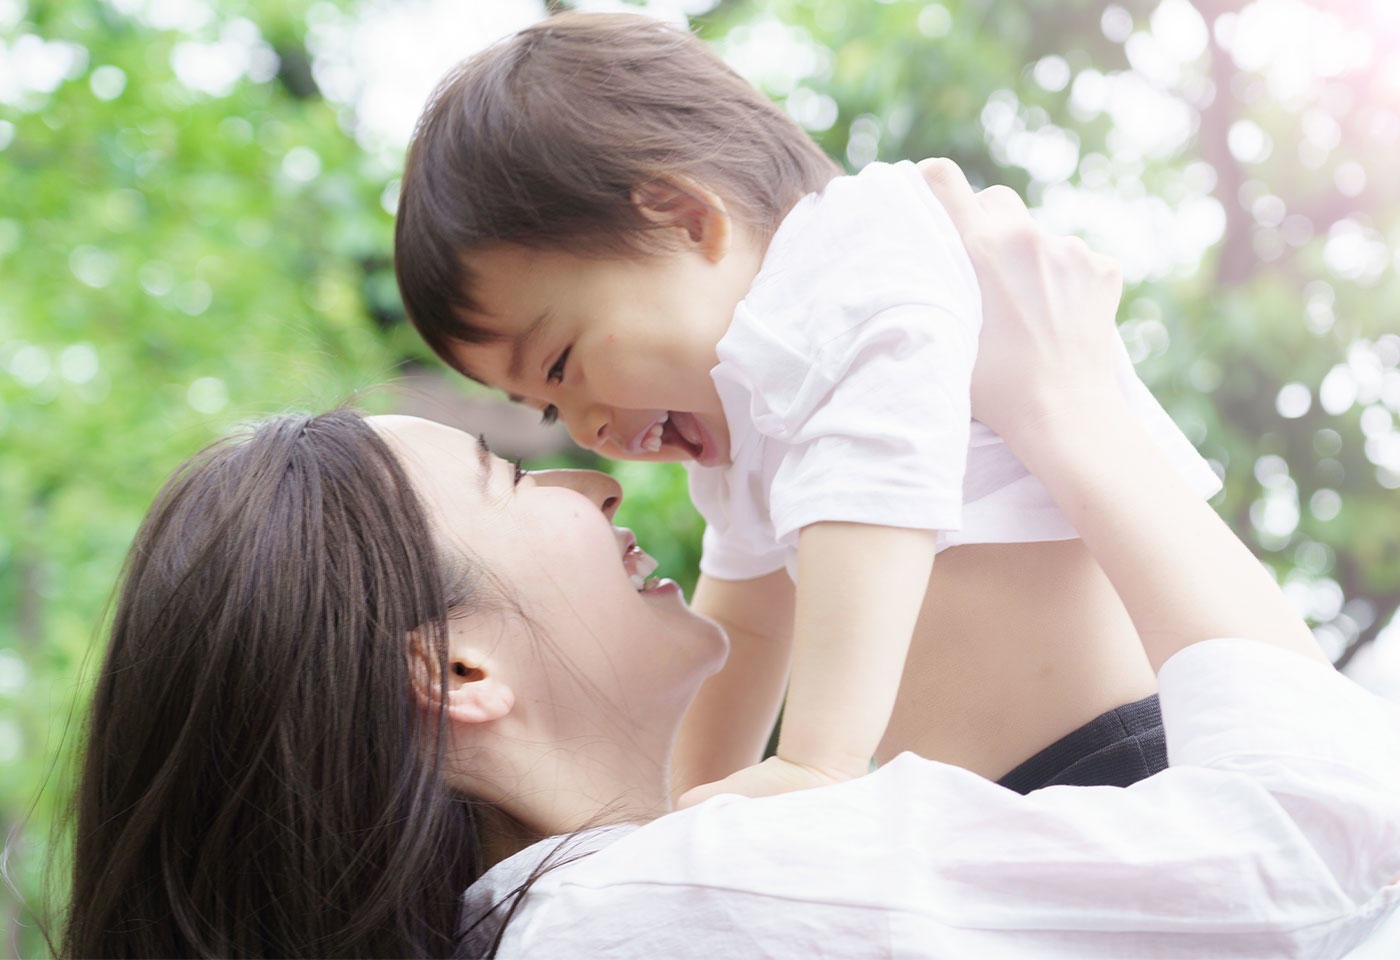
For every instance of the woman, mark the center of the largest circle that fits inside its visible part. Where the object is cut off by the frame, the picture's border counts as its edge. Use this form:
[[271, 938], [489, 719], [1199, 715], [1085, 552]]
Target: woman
[[356, 663]]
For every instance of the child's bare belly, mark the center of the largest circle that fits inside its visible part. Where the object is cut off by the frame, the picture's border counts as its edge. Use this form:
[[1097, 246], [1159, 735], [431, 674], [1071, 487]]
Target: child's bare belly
[[1017, 645]]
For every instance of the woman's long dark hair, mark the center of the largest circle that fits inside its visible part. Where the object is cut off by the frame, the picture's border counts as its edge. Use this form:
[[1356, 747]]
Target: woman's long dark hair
[[258, 778]]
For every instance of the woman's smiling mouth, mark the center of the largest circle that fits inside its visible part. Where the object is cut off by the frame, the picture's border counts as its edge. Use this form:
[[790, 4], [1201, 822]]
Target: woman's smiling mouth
[[637, 562]]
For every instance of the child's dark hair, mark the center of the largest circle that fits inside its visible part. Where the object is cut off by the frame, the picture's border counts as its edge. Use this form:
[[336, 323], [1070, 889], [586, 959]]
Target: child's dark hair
[[541, 139]]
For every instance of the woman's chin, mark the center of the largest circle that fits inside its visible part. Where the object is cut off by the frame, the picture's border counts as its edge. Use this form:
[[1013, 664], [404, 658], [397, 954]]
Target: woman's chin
[[702, 639], [718, 646]]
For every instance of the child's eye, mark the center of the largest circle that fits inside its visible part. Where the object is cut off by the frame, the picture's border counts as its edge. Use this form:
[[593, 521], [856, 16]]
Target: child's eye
[[549, 415], [556, 372]]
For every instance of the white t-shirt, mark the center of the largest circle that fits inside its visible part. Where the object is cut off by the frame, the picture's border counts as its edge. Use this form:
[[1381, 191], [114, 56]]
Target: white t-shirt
[[845, 379], [1275, 833]]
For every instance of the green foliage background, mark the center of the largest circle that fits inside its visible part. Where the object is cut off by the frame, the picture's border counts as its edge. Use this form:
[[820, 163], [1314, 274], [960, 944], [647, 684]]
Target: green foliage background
[[173, 262]]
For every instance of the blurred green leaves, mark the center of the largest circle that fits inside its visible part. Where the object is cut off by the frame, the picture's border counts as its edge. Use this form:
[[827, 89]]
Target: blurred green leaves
[[176, 259], [190, 238]]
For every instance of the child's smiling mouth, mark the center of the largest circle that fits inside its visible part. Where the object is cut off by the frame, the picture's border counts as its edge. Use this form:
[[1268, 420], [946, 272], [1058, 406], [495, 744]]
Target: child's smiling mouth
[[680, 430]]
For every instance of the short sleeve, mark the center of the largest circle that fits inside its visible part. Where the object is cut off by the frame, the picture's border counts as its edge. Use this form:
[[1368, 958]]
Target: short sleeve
[[885, 437], [738, 543], [729, 557], [854, 350]]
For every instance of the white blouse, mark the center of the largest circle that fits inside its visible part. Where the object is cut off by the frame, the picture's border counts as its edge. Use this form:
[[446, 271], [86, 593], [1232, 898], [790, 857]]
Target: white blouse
[[1275, 833]]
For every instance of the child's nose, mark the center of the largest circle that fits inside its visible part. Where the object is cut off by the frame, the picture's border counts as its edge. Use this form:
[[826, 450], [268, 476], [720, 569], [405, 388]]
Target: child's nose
[[589, 428]]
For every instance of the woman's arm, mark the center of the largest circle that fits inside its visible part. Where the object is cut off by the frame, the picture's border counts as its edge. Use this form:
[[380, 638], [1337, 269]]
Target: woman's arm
[[1045, 381]]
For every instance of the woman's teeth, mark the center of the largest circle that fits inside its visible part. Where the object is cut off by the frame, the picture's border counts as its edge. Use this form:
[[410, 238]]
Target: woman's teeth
[[651, 440], [642, 571]]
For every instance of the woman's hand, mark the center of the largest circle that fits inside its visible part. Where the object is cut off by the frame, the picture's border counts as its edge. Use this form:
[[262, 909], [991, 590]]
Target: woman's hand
[[770, 777], [1046, 381], [1048, 305]]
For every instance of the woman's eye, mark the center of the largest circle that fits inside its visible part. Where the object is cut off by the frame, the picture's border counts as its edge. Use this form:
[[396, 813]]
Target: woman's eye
[[556, 372], [549, 414]]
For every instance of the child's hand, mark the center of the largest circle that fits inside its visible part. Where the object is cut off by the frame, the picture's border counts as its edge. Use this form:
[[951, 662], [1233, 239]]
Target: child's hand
[[1048, 338], [772, 776]]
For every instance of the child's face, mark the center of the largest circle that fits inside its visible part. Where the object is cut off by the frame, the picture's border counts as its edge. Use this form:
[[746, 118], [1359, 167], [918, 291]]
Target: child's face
[[620, 350]]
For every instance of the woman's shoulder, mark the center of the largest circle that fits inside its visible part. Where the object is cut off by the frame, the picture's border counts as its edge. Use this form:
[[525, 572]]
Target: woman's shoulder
[[734, 850], [526, 877], [725, 878], [737, 876]]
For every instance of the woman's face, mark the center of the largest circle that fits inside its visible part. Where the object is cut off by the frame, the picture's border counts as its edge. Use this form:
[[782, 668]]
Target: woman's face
[[573, 609]]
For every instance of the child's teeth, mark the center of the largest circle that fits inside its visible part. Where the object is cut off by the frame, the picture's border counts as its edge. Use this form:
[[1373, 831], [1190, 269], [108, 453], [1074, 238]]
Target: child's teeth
[[652, 441]]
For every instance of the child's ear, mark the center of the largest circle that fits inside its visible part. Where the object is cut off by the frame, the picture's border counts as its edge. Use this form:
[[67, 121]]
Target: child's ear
[[683, 203], [476, 693]]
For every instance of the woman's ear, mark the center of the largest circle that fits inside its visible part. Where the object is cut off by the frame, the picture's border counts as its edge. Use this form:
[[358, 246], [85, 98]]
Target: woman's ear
[[683, 203], [475, 692]]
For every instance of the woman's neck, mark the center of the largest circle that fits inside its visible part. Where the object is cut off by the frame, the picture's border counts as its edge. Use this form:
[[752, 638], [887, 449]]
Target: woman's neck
[[562, 788], [502, 836]]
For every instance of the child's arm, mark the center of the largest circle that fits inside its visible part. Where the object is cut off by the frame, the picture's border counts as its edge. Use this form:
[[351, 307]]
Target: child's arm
[[860, 588], [1044, 380], [728, 725]]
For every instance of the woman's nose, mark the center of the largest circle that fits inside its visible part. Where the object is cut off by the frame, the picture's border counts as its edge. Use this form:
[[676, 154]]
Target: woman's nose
[[602, 489]]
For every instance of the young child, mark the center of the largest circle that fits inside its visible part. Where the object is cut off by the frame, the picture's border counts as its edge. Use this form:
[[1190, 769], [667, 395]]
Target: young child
[[601, 219]]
